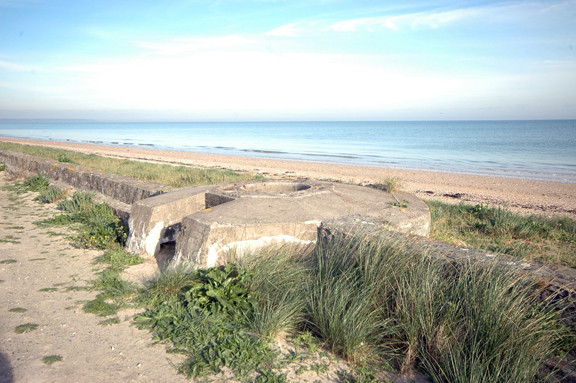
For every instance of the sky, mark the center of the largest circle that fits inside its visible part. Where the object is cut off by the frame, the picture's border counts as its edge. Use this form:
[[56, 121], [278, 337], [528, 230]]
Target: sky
[[289, 60]]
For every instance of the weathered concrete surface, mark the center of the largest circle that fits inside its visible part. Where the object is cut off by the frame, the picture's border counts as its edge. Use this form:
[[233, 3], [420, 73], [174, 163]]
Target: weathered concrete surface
[[151, 218], [123, 189], [263, 213]]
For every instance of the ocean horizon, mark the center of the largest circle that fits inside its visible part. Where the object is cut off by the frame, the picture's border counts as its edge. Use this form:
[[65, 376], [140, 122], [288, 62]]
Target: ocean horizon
[[526, 149]]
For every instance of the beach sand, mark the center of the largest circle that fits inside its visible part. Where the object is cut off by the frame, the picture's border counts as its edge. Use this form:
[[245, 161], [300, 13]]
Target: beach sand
[[524, 196]]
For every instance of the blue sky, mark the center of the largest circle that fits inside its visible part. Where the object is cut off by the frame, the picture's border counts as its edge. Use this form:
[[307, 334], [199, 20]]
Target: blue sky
[[247, 60]]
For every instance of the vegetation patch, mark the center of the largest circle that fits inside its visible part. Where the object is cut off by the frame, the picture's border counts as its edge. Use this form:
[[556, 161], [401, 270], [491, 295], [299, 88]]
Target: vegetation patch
[[18, 310], [118, 259], [534, 237], [378, 304], [100, 307], [25, 328], [109, 321], [176, 176], [95, 224], [51, 194], [50, 359], [401, 204], [10, 239], [390, 185], [7, 261], [48, 289]]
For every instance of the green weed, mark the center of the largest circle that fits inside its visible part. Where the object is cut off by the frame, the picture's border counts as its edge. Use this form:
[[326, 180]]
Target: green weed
[[109, 321], [7, 261], [18, 310], [2, 166], [10, 239], [36, 183], [48, 289], [50, 194], [96, 225], [113, 286], [50, 359], [402, 204], [198, 311], [271, 377], [100, 307], [390, 185], [64, 158], [118, 259], [25, 328]]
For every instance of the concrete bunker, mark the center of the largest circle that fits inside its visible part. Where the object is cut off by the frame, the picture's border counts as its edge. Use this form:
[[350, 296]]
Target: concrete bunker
[[208, 224]]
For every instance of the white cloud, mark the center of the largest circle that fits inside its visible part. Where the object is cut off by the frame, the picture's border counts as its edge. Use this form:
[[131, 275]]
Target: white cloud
[[194, 44], [289, 30], [15, 67], [250, 80], [413, 21], [434, 19]]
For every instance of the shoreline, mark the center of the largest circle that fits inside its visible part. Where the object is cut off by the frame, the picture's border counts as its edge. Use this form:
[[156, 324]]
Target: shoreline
[[520, 195]]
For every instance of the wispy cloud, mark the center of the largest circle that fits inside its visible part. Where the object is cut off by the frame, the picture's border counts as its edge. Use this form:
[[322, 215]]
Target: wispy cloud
[[15, 67], [431, 19], [195, 44], [413, 21], [410, 21], [288, 30]]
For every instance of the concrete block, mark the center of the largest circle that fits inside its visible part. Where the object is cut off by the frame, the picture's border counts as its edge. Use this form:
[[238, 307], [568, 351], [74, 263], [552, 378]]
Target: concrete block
[[152, 220]]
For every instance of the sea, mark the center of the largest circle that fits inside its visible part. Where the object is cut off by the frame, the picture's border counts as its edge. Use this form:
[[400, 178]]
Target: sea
[[535, 150]]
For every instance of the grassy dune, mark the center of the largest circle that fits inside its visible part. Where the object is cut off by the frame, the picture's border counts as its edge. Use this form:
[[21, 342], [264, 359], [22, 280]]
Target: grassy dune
[[176, 176]]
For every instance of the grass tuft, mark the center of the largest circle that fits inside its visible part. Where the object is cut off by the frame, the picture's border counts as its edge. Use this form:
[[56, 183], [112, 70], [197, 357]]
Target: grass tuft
[[48, 289], [51, 359], [25, 328], [100, 307], [51, 194]]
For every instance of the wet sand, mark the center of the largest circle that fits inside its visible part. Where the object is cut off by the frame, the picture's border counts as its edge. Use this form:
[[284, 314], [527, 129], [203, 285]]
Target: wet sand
[[525, 196]]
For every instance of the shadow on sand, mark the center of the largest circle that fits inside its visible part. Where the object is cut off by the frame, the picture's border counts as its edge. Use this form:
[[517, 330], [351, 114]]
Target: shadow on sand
[[5, 369]]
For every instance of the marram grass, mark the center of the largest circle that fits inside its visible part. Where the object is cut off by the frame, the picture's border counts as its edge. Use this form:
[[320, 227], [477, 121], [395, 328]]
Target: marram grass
[[534, 237], [169, 175], [376, 302]]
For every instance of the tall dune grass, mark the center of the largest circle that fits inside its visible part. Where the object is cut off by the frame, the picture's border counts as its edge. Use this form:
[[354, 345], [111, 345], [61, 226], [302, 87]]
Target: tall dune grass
[[169, 175], [384, 305], [534, 237]]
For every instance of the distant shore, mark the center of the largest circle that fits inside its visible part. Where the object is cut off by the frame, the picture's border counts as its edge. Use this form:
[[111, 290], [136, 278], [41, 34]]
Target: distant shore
[[526, 196]]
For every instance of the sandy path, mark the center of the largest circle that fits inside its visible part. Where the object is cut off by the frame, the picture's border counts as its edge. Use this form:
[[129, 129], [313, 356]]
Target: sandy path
[[521, 195], [90, 352]]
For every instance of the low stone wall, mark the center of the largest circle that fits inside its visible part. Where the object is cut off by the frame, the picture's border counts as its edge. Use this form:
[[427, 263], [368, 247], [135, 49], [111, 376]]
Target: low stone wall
[[123, 189]]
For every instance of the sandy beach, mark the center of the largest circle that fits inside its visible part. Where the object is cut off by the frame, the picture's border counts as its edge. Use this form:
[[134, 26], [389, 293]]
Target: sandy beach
[[525, 196]]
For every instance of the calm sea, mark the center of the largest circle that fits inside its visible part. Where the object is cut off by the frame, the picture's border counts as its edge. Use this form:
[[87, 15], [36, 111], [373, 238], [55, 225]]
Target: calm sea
[[543, 150]]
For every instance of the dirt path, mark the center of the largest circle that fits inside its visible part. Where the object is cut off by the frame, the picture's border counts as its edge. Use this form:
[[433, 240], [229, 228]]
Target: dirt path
[[33, 258]]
